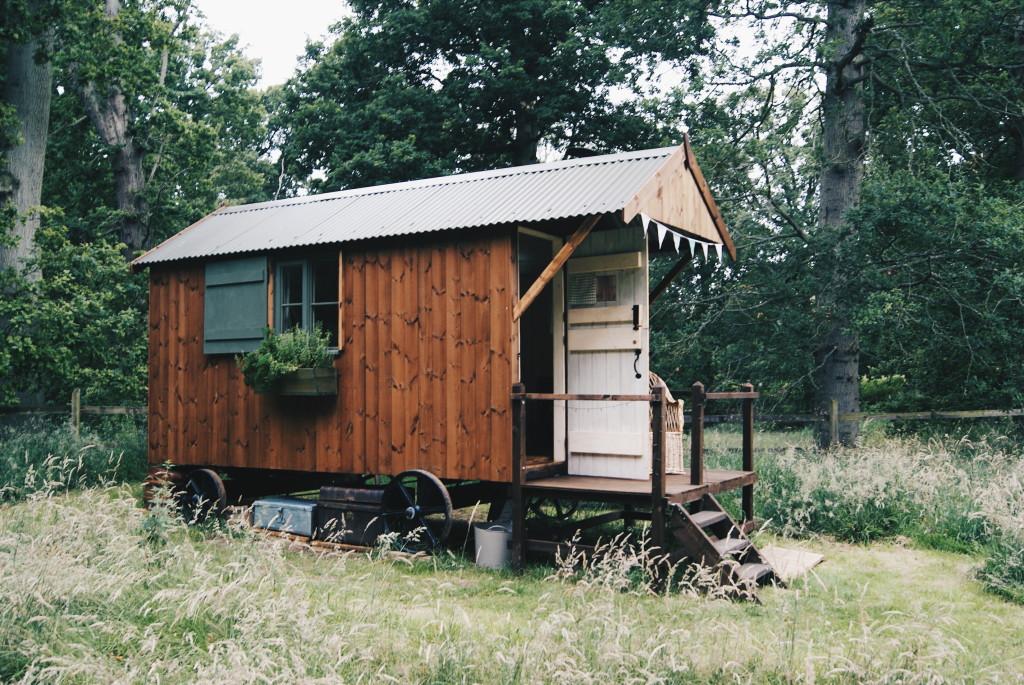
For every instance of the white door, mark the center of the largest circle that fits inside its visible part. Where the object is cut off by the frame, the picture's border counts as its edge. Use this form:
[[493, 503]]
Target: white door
[[607, 339]]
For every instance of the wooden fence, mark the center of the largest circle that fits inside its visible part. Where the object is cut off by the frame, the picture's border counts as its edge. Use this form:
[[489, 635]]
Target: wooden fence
[[75, 411], [834, 417]]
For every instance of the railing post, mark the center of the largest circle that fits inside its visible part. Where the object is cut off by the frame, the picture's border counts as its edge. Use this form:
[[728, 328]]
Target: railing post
[[748, 450], [518, 474], [76, 411], [697, 434], [658, 468]]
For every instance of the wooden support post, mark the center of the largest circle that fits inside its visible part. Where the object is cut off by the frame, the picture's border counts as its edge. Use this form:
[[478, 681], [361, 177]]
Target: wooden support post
[[668, 278], [697, 434], [556, 263], [658, 469], [833, 422], [518, 476], [748, 451], [76, 411]]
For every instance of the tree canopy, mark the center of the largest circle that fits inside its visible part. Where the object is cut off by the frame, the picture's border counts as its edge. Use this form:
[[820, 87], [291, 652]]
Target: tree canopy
[[868, 156], [415, 89]]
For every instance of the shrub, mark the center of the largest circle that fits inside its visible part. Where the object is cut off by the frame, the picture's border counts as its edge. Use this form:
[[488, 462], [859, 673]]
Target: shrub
[[1002, 509], [280, 354], [42, 456]]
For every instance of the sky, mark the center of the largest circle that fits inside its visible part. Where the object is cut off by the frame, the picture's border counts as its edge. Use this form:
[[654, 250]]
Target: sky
[[273, 31]]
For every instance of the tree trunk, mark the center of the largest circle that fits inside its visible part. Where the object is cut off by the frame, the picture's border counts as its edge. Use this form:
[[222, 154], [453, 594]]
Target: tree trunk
[[110, 116], [28, 90], [524, 149], [837, 357]]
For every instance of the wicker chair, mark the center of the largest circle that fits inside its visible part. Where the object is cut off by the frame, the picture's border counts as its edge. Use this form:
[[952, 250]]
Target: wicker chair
[[673, 428]]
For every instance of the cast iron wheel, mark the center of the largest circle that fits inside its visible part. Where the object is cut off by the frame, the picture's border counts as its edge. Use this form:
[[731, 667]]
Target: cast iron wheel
[[554, 509], [202, 496], [416, 506]]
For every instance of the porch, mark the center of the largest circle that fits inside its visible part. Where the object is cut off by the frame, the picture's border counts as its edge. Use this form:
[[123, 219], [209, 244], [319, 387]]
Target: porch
[[660, 498]]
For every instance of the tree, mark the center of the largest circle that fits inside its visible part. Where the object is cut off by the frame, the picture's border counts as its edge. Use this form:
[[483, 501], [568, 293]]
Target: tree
[[81, 324], [159, 123], [25, 40], [843, 131], [415, 89], [920, 103]]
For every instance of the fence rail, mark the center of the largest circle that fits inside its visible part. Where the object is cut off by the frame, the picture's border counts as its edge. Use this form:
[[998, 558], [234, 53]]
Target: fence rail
[[891, 416], [75, 410]]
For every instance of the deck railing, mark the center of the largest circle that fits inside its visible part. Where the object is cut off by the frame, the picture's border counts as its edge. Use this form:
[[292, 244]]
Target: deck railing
[[698, 398], [657, 399]]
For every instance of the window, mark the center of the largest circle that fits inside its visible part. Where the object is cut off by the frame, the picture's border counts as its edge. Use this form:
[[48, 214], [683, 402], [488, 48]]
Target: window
[[306, 294], [589, 289]]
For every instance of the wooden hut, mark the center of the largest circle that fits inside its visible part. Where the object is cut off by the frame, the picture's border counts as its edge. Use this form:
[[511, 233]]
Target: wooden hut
[[448, 299]]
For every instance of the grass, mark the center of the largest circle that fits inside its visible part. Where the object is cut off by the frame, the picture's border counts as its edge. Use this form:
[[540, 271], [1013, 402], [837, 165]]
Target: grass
[[90, 595], [956, 494], [42, 454], [922, 540]]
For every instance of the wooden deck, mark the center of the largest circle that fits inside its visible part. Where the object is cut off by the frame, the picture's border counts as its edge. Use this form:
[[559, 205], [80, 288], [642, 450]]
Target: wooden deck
[[677, 487]]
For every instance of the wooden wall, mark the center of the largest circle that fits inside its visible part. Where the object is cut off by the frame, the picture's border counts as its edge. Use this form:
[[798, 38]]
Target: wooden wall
[[425, 375]]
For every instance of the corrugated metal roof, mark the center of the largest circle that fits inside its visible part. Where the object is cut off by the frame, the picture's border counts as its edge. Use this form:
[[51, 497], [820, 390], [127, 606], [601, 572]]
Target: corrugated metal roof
[[539, 192]]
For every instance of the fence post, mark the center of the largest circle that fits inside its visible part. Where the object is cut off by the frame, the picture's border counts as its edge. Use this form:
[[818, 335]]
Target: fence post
[[748, 450], [833, 422], [697, 434], [76, 411]]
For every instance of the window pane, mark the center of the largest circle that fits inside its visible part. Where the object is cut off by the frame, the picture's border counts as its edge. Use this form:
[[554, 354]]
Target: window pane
[[327, 316], [291, 316], [325, 280], [605, 290], [291, 284]]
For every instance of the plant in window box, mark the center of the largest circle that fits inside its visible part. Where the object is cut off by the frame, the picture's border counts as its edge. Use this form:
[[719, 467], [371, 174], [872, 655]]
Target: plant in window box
[[297, 362]]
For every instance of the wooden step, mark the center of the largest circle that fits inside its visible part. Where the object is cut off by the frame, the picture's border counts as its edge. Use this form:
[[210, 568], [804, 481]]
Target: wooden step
[[708, 518], [730, 545], [752, 573]]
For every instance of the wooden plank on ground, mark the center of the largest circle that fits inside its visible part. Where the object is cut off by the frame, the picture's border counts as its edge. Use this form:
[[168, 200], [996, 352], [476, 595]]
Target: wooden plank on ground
[[791, 563]]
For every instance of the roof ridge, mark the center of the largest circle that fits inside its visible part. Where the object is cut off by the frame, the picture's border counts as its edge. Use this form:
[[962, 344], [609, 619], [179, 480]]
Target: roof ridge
[[453, 179]]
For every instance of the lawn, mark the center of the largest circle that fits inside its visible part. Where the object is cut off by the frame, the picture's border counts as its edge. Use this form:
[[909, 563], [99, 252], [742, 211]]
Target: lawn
[[95, 589]]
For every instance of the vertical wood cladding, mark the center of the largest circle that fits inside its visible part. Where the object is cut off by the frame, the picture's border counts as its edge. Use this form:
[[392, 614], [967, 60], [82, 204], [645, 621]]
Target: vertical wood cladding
[[424, 377]]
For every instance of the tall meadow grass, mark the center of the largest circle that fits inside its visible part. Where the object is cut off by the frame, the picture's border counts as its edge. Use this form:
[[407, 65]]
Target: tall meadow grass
[[963, 494], [90, 594], [45, 455], [96, 589]]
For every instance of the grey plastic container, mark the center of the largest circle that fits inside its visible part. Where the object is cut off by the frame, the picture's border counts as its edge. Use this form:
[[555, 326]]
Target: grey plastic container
[[492, 548]]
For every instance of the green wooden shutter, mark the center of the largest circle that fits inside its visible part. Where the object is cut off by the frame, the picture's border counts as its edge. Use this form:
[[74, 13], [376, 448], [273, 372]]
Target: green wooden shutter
[[235, 305]]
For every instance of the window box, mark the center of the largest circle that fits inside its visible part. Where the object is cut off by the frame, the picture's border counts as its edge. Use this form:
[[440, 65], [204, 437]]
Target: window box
[[307, 382]]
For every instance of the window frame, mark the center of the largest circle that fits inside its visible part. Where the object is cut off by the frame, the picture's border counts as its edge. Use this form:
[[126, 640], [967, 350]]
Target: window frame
[[307, 263]]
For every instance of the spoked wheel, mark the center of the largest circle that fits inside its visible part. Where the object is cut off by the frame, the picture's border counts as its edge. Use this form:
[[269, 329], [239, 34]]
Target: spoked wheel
[[202, 496], [555, 509], [416, 506]]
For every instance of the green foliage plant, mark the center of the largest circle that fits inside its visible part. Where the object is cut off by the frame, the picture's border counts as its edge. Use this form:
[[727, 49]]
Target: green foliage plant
[[283, 353], [39, 457]]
